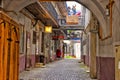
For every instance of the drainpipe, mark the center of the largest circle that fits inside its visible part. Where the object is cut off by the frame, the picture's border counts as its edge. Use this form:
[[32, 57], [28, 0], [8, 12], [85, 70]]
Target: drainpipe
[[109, 6]]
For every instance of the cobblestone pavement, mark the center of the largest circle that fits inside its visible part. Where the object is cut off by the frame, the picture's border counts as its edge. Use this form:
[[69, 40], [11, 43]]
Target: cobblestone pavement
[[66, 69]]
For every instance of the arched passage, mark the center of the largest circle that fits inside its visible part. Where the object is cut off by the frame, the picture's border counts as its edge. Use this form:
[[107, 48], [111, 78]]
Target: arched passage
[[94, 6]]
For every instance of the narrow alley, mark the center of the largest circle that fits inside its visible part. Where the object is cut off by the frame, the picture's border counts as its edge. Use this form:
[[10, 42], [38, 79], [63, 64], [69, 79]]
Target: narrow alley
[[59, 39], [66, 69]]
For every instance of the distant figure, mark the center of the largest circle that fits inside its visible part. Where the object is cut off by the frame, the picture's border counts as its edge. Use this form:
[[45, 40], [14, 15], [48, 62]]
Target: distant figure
[[74, 10], [58, 53], [69, 10]]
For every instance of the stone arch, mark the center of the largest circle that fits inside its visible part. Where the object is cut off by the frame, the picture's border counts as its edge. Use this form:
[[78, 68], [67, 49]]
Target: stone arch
[[92, 5], [16, 5], [99, 13]]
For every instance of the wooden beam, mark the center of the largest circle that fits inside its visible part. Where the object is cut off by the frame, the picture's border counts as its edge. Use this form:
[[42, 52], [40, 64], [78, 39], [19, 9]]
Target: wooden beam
[[55, 0], [48, 14]]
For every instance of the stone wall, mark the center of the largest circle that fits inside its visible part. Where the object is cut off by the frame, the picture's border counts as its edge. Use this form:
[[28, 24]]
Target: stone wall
[[107, 47]]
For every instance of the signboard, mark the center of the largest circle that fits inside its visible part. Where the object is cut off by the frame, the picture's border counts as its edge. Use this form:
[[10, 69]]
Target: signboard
[[57, 37], [73, 19], [74, 12]]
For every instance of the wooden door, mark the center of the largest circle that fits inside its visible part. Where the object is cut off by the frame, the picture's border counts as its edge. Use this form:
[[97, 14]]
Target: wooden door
[[1, 47], [14, 52], [6, 52], [117, 63], [9, 49]]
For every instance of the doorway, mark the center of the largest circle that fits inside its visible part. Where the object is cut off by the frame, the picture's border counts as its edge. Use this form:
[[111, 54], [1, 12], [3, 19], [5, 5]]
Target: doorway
[[117, 62]]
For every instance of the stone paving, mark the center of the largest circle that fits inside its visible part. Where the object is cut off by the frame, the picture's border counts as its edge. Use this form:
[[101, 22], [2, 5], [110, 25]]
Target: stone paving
[[66, 69]]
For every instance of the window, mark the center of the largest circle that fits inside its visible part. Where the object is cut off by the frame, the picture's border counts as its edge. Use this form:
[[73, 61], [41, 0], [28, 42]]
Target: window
[[34, 37], [22, 39], [42, 39]]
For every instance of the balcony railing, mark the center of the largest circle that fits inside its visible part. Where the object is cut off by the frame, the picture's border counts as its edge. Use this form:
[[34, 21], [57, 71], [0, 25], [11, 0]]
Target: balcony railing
[[79, 25]]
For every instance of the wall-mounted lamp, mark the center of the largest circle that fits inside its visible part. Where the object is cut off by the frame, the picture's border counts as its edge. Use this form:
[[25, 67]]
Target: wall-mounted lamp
[[107, 11], [108, 7], [48, 29]]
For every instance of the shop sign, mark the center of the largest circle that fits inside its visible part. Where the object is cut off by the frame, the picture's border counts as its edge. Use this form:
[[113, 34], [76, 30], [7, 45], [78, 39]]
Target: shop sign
[[57, 37], [72, 19]]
